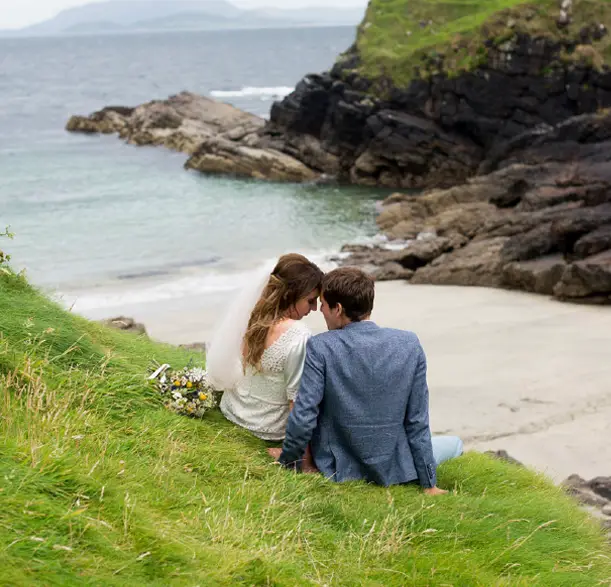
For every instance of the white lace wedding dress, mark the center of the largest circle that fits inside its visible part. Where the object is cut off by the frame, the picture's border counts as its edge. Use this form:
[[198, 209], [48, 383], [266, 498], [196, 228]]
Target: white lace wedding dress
[[260, 401]]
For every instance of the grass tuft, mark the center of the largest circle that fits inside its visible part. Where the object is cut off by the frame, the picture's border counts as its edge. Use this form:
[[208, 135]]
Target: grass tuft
[[397, 37], [101, 485]]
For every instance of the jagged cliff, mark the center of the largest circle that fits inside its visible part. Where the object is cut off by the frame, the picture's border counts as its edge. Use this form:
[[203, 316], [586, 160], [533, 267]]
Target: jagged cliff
[[429, 88]]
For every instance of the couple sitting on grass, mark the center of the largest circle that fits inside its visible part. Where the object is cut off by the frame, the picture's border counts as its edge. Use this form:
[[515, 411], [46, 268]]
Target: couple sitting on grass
[[351, 403]]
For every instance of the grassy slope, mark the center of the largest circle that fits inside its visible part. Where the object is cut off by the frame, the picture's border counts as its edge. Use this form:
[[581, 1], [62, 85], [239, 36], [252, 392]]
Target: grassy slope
[[99, 484], [458, 30]]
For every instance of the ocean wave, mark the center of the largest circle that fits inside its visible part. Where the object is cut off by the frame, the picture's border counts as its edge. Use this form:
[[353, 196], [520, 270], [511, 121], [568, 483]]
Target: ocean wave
[[146, 292], [144, 289], [253, 92]]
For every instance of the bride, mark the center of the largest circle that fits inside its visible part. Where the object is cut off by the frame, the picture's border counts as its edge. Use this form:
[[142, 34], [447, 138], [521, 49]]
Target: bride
[[258, 353]]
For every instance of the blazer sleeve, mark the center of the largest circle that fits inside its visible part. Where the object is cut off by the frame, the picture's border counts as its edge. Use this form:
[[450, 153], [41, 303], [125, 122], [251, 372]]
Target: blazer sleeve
[[417, 426], [304, 416]]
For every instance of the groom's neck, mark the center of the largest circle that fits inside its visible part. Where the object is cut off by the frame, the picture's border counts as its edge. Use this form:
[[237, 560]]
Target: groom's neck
[[347, 321]]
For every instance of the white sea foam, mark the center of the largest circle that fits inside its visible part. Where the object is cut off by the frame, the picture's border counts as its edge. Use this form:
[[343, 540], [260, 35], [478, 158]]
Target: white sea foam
[[146, 291], [269, 93], [169, 288]]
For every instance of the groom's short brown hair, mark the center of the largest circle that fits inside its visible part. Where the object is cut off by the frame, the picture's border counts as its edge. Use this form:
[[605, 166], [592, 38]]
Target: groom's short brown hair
[[353, 289]]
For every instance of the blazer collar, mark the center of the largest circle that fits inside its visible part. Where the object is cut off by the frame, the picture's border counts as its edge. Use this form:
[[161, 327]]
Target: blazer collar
[[365, 325]]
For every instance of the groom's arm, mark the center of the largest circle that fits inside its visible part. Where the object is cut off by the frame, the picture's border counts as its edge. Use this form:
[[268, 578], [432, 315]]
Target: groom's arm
[[304, 416], [417, 426]]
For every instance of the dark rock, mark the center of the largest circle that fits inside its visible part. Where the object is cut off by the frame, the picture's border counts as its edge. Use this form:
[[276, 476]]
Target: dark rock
[[588, 492], [574, 481], [566, 231], [126, 324], [602, 486], [368, 257], [587, 279], [537, 276], [391, 271], [547, 196], [412, 152], [595, 242], [419, 253], [526, 246], [476, 264], [503, 455], [390, 264], [121, 110], [512, 196]]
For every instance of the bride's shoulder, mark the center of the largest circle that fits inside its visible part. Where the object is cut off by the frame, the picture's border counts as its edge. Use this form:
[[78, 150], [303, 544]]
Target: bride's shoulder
[[280, 328], [294, 326]]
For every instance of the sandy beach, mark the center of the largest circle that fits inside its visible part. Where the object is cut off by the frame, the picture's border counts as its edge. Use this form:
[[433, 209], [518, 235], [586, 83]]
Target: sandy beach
[[507, 370]]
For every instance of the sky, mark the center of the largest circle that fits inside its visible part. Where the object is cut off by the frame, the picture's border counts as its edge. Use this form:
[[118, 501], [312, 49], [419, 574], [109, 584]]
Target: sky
[[20, 13]]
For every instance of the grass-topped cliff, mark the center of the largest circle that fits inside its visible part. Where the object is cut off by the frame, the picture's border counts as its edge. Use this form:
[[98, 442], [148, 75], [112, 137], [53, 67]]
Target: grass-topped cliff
[[396, 35], [101, 485]]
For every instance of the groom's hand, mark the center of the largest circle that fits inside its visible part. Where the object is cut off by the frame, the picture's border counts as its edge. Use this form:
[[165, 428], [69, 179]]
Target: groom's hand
[[274, 452], [435, 491]]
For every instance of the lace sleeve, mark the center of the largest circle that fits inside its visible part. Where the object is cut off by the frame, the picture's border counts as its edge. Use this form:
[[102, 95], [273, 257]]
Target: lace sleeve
[[293, 366]]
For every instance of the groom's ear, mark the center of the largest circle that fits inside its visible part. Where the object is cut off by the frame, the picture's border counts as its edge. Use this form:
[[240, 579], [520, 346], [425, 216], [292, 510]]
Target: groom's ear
[[340, 309]]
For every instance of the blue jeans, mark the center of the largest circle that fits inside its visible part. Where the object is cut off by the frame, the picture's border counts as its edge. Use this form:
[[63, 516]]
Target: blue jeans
[[446, 448]]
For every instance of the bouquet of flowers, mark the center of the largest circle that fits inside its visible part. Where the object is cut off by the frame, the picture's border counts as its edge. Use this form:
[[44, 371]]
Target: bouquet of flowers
[[185, 391]]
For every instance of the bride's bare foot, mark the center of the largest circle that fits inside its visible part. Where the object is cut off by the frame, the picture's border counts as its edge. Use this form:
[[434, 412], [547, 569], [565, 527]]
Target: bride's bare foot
[[274, 452]]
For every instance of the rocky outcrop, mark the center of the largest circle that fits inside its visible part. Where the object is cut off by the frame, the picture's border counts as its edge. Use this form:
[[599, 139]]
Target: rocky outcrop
[[221, 156], [180, 123], [594, 495], [538, 221], [358, 139], [218, 137], [435, 125]]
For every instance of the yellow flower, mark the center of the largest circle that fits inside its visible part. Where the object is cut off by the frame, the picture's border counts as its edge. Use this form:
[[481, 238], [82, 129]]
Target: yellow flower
[[177, 383], [203, 397], [189, 385]]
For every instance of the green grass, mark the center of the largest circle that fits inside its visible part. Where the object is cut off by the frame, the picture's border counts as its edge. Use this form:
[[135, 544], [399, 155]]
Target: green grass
[[101, 485], [392, 43]]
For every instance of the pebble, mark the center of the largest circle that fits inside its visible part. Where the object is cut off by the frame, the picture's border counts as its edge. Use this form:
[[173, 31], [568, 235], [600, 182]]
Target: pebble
[[607, 509]]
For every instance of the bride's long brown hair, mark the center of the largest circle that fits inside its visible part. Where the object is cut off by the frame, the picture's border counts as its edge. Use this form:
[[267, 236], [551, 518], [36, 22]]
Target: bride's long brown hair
[[293, 278]]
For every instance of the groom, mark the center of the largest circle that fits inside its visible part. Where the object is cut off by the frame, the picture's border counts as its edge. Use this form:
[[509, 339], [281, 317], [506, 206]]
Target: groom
[[363, 400]]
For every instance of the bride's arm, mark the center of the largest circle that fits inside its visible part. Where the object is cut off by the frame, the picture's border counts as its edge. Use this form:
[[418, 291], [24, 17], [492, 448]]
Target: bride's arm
[[293, 367]]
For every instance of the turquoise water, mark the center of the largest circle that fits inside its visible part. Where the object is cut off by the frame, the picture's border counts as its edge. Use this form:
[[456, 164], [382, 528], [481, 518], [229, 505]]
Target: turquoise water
[[92, 212]]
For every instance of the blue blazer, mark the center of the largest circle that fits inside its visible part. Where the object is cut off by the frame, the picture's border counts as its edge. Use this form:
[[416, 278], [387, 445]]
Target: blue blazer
[[363, 405]]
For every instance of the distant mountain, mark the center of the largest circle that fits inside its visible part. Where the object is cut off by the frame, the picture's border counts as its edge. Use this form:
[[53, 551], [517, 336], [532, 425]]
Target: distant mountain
[[204, 21], [100, 26], [126, 13], [162, 15]]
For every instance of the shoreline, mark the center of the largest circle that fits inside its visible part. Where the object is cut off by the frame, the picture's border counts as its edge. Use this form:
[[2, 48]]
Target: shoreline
[[507, 370]]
